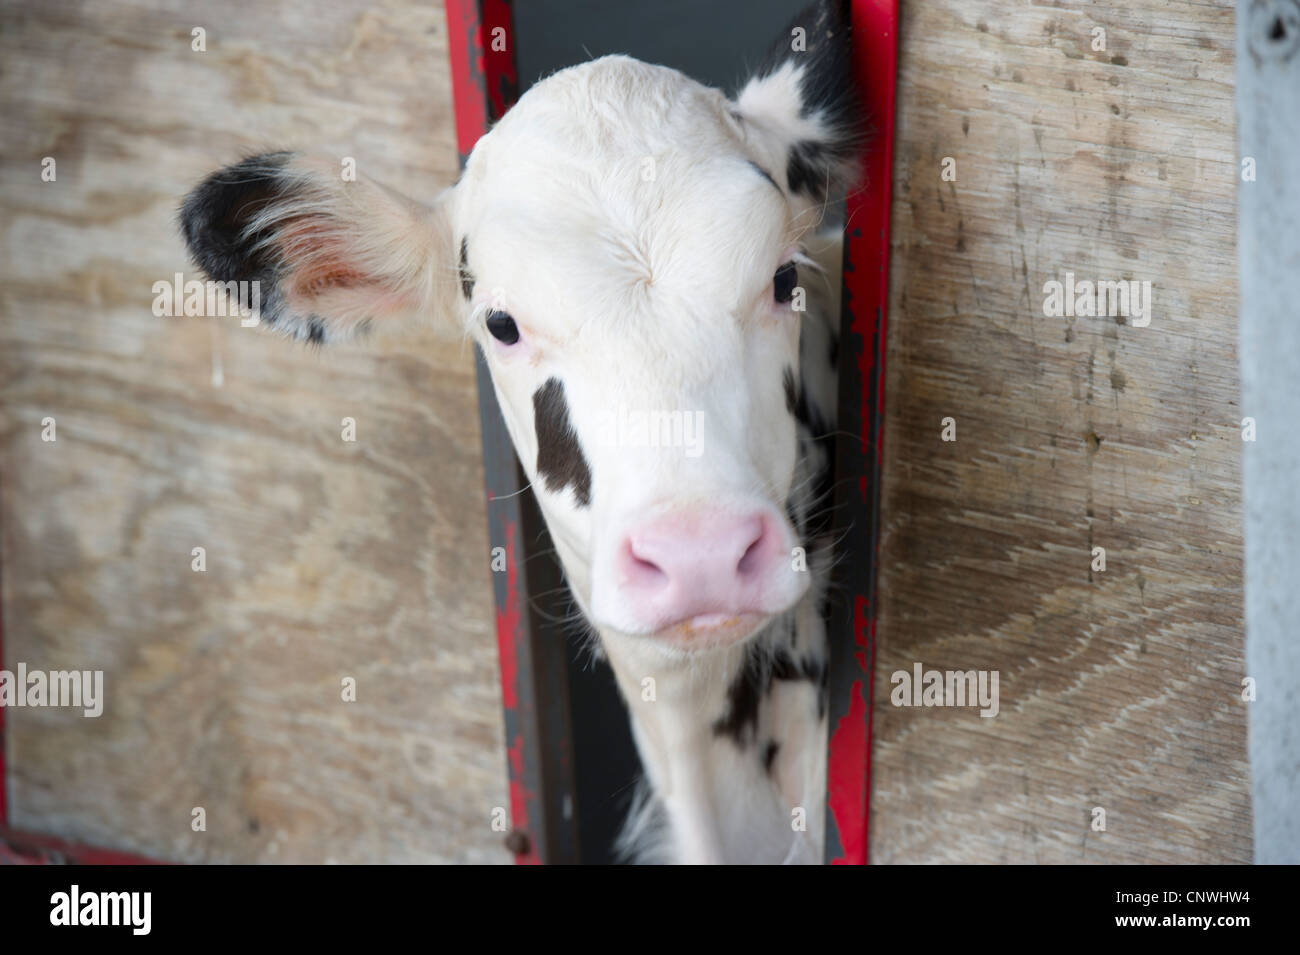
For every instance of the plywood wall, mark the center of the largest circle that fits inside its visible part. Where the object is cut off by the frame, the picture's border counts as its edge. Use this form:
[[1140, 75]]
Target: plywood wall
[[325, 559], [1120, 690]]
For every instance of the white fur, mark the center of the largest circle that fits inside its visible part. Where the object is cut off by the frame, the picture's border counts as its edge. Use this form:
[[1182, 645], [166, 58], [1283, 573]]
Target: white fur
[[657, 295]]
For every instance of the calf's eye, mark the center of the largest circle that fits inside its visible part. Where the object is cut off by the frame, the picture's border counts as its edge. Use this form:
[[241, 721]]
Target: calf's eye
[[783, 283], [502, 327]]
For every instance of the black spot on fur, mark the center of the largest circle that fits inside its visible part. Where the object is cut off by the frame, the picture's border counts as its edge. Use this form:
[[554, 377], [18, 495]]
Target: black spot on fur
[[812, 669], [786, 667], [214, 219], [466, 276], [827, 85], [743, 697], [560, 460], [826, 90], [769, 755], [806, 171], [791, 391], [815, 428], [315, 330], [753, 683]]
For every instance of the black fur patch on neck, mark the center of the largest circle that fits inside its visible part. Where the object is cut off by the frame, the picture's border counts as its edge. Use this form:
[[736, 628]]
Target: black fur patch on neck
[[814, 427], [791, 392], [560, 461], [763, 666], [466, 276]]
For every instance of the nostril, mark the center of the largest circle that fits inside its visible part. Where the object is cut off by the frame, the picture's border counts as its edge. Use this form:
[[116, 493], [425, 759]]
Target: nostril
[[751, 561], [645, 570], [647, 566]]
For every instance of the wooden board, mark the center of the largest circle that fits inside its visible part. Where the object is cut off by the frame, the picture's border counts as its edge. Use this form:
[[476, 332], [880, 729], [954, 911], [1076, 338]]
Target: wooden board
[[325, 558], [1121, 689], [1268, 92]]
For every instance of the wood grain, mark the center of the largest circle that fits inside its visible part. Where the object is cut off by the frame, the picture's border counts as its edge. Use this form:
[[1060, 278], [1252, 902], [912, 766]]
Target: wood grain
[[1120, 689], [325, 559], [1268, 215]]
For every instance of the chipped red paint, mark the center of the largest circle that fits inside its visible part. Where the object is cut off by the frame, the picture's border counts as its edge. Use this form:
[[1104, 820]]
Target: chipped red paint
[[498, 57], [508, 626], [484, 83], [866, 286], [465, 55], [864, 623], [25, 848], [848, 775], [846, 782], [520, 799], [875, 24]]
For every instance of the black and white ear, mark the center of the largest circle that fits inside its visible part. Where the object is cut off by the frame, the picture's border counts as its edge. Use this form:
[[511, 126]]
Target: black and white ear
[[801, 111], [329, 254]]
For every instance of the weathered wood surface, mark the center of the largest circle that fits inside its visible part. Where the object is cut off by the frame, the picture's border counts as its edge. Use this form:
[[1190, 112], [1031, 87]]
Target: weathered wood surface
[[325, 559], [1121, 689], [1268, 101]]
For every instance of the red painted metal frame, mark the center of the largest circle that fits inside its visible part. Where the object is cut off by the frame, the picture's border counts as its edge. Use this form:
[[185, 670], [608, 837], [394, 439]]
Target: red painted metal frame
[[484, 84], [25, 848], [859, 450], [476, 74], [530, 644]]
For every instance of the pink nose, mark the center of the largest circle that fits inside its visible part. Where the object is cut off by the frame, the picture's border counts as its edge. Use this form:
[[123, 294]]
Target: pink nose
[[702, 564]]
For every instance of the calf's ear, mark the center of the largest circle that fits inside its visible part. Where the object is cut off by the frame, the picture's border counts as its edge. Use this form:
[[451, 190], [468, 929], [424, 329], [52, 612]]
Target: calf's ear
[[330, 255], [801, 110]]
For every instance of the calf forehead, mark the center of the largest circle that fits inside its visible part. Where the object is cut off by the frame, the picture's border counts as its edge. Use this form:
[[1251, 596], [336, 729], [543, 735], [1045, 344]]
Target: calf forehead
[[612, 183], [610, 106], [639, 143], [677, 257]]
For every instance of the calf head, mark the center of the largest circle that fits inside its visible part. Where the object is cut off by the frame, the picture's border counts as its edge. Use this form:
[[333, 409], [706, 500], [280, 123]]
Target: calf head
[[625, 247]]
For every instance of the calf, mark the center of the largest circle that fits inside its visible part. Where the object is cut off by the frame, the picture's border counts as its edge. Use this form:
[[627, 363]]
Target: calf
[[627, 244]]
